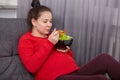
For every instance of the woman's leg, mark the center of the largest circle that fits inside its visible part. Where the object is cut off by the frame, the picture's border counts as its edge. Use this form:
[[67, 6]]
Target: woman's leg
[[100, 65], [82, 77]]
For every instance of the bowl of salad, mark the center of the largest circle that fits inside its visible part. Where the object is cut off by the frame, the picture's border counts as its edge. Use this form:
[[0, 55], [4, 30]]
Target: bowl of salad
[[64, 40]]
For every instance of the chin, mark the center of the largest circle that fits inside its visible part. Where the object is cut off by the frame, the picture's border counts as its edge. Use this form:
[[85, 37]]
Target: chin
[[47, 33]]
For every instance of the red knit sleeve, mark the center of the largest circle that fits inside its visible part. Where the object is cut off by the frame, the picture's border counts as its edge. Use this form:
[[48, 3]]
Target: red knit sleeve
[[33, 59]]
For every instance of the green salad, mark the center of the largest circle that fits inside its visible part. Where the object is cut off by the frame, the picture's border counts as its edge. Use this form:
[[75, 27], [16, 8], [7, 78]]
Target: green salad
[[64, 36]]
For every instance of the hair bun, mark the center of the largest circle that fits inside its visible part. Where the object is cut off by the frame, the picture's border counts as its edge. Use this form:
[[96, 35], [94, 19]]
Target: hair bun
[[35, 3]]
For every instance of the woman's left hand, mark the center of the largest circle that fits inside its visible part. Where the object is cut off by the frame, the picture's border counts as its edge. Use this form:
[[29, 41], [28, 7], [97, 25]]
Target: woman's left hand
[[65, 51]]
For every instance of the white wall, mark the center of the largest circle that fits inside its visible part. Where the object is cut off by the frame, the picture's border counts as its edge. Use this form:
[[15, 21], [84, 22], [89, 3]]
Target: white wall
[[8, 8], [8, 2], [5, 13]]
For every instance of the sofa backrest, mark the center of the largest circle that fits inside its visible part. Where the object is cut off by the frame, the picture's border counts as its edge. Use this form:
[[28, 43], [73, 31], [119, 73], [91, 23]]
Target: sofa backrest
[[11, 67], [10, 31]]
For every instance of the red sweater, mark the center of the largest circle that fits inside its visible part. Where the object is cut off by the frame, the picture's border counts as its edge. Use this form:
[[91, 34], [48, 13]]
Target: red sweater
[[42, 60]]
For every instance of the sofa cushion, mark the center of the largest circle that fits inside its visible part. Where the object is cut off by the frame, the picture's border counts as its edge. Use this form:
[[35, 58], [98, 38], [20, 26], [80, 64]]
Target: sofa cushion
[[10, 31], [11, 67]]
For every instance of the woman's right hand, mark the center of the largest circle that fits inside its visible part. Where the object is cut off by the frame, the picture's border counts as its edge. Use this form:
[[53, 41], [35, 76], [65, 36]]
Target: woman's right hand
[[54, 36]]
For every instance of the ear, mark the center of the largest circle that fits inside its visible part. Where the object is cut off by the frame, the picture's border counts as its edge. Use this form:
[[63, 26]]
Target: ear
[[33, 21]]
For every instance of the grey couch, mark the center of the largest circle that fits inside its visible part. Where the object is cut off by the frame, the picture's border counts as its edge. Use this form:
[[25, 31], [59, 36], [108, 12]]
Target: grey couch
[[11, 67]]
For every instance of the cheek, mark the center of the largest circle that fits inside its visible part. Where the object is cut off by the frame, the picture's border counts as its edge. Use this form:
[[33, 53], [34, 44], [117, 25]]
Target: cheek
[[40, 25]]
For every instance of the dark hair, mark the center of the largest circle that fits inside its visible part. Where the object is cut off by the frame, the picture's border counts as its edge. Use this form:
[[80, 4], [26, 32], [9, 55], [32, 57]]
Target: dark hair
[[35, 11]]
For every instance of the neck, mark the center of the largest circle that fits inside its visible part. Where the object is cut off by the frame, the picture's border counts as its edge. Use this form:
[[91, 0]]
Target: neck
[[38, 34]]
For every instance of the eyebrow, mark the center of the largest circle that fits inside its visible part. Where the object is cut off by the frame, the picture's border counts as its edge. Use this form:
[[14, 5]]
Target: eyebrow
[[47, 19]]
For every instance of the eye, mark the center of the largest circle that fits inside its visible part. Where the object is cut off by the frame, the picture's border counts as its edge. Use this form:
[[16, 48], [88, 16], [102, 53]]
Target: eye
[[51, 21], [45, 21]]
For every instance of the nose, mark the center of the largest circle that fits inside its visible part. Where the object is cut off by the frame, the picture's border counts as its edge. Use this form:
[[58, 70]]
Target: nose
[[49, 24]]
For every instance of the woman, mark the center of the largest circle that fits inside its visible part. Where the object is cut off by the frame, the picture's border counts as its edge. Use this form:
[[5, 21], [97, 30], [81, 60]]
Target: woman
[[38, 54]]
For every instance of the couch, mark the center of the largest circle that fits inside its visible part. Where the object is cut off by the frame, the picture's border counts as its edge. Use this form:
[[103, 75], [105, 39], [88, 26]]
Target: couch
[[11, 67]]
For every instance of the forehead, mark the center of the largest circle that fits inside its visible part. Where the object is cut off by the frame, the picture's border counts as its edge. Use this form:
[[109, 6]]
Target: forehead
[[46, 15]]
